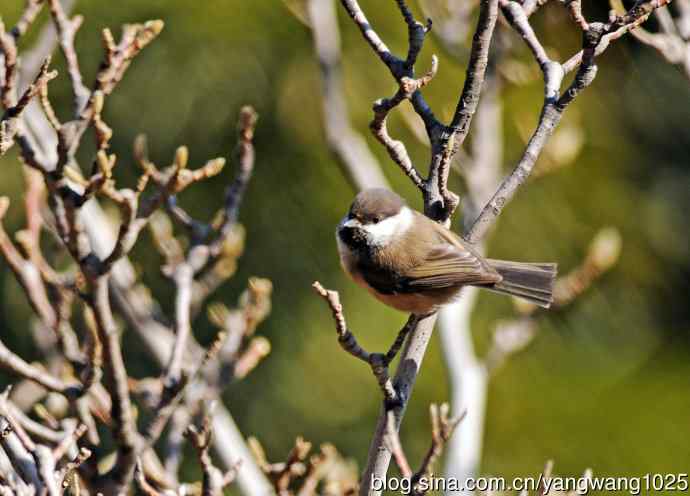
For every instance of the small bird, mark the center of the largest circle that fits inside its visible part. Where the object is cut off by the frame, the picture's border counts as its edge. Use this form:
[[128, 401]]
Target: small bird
[[413, 264]]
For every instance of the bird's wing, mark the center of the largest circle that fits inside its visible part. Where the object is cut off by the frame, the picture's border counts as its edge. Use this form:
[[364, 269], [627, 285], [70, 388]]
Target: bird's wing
[[451, 263]]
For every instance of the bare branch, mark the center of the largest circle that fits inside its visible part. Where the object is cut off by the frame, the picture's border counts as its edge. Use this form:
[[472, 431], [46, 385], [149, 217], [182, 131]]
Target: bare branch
[[144, 485], [512, 336], [380, 49], [124, 427], [21, 459], [183, 276], [235, 193], [602, 254], [292, 466], [67, 31], [257, 349], [172, 393], [476, 71], [396, 149], [393, 443], [14, 364], [50, 146], [354, 156], [214, 480], [9, 124], [346, 339], [442, 428], [378, 362], [672, 42], [26, 272], [31, 11], [439, 202], [35, 462], [619, 26]]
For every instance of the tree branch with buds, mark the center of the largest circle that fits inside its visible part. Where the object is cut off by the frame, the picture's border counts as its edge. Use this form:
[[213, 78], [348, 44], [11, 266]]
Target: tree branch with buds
[[444, 141], [48, 147]]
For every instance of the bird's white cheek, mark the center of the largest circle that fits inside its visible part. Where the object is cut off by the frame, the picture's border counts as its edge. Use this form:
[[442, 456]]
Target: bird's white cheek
[[382, 232]]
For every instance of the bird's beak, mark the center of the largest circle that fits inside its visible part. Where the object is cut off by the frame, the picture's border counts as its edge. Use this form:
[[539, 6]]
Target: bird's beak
[[350, 223]]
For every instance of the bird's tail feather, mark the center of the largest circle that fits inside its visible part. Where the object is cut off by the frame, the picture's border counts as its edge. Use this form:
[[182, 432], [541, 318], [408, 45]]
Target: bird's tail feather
[[531, 281]]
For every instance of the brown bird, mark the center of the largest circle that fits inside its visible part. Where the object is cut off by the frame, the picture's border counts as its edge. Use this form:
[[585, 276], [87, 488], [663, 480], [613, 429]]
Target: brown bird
[[416, 265]]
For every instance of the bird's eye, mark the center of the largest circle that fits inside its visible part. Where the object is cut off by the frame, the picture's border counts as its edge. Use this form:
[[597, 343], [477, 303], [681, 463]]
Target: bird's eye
[[376, 219]]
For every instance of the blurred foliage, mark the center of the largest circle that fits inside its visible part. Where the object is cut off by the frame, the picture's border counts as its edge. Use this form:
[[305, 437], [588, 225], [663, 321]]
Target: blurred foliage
[[606, 383]]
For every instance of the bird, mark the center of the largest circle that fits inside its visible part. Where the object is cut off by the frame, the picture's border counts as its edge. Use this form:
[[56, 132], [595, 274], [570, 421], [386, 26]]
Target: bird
[[416, 265]]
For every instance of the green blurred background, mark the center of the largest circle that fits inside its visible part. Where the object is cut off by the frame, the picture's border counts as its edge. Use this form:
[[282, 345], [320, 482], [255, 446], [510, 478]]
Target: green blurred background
[[606, 384]]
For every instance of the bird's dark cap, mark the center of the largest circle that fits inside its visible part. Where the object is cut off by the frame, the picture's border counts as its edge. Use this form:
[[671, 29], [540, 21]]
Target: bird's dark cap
[[376, 204]]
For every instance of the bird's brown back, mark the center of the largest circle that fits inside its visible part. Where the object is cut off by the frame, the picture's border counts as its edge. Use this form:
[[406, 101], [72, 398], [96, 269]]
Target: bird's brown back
[[393, 270]]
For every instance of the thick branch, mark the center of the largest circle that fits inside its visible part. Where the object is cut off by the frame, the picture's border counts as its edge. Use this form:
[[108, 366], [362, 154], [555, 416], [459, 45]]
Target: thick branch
[[351, 150], [476, 71], [439, 202]]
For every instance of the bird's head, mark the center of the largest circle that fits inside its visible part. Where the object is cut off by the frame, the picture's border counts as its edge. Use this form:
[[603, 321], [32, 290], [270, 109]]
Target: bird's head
[[375, 217]]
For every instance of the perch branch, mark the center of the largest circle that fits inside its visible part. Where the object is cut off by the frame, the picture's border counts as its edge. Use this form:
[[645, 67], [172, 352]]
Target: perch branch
[[378, 362]]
